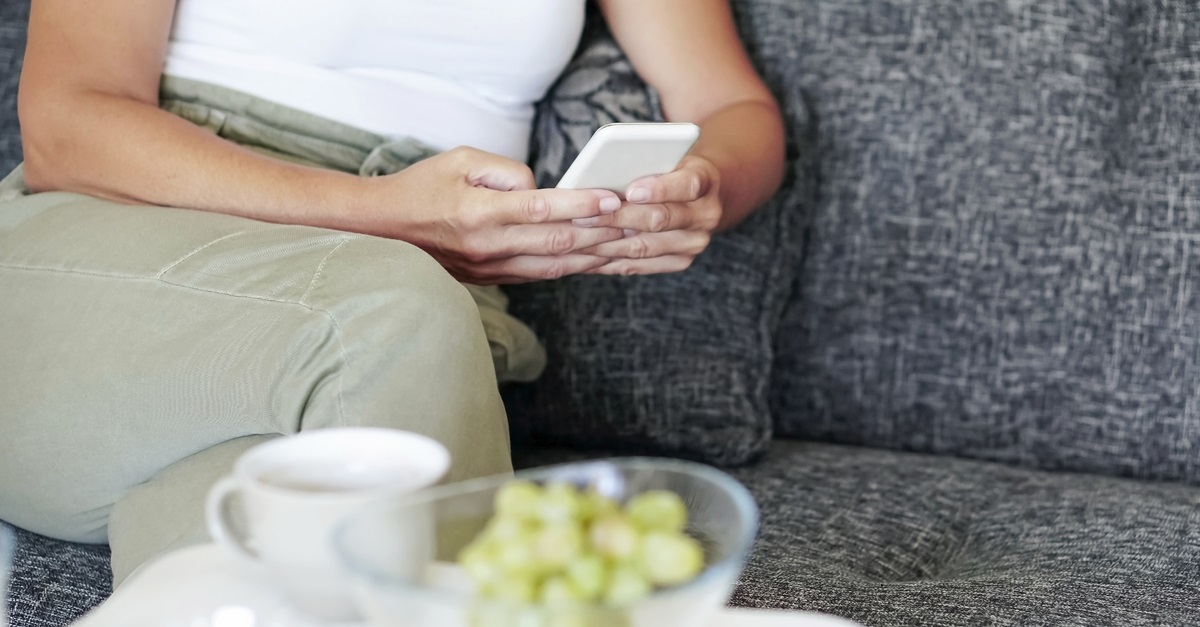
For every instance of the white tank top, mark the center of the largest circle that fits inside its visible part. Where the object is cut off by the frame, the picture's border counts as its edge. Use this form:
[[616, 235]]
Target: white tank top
[[445, 72]]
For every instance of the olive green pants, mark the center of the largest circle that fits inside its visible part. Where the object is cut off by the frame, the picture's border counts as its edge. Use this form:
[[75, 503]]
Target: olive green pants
[[144, 348]]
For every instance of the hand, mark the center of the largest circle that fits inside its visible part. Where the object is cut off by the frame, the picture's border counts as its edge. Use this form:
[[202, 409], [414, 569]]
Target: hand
[[481, 216], [667, 220]]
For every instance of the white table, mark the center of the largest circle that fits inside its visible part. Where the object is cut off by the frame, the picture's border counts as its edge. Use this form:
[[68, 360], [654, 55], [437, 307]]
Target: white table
[[206, 586]]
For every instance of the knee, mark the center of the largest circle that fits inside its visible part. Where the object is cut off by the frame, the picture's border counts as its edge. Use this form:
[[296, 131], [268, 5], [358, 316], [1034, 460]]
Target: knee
[[393, 292], [402, 323], [413, 355]]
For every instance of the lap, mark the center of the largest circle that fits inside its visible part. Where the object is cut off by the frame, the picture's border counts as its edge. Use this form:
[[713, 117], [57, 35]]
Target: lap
[[138, 336]]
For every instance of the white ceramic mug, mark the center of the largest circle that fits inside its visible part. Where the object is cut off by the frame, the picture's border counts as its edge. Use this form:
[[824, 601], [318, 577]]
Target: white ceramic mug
[[294, 490]]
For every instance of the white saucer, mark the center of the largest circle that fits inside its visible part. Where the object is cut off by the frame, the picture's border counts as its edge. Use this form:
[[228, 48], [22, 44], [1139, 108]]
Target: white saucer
[[207, 586]]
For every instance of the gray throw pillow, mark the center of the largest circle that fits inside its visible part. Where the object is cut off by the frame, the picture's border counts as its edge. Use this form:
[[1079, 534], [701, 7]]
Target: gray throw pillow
[[675, 364]]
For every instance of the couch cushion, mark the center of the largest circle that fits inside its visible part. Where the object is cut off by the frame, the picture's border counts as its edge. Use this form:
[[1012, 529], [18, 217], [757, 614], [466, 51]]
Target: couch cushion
[[883, 538], [55, 582], [889, 538], [1000, 260], [673, 364]]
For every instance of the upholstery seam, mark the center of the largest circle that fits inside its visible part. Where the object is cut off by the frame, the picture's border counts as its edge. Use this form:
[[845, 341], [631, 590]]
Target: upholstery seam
[[195, 252]]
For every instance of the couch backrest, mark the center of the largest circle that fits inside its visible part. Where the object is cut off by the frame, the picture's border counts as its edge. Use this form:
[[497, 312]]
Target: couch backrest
[[1003, 247], [1004, 250], [14, 15]]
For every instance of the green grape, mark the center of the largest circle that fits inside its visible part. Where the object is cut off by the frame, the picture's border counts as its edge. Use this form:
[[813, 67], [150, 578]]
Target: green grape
[[567, 550], [588, 574], [507, 529], [613, 536], [559, 504], [669, 559], [513, 589], [595, 505], [518, 499], [515, 558], [626, 587], [558, 591], [479, 562], [556, 545], [660, 510]]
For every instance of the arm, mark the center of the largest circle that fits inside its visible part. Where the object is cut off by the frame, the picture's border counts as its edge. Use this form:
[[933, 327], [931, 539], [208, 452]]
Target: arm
[[90, 123], [690, 52]]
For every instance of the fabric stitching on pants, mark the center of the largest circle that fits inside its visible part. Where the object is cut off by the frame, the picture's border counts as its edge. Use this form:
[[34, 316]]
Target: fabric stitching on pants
[[320, 269], [10, 266], [328, 315], [195, 252], [341, 348], [160, 279]]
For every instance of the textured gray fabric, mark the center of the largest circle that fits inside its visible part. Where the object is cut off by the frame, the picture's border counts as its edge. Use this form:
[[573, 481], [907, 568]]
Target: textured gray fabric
[[14, 15], [54, 582], [1032, 307], [893, 539], [1000, 259], [672, 364], [883, 538]]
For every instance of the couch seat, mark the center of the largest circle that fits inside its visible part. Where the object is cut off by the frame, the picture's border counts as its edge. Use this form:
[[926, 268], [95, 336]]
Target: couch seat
[[883, 538]]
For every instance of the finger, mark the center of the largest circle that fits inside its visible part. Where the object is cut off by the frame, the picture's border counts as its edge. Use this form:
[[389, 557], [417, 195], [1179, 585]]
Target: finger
[[527, 268], [657, 265], [683, 185], [552, 205], [548, 240], [485, 169], [650, 245], [644, 218]]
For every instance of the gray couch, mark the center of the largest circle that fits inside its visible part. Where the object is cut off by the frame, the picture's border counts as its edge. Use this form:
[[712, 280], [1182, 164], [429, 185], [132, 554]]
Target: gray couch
[[957, 359]]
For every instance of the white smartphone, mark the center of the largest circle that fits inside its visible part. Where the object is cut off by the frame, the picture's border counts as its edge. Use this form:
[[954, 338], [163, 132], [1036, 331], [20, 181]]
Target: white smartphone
[[619, 154]]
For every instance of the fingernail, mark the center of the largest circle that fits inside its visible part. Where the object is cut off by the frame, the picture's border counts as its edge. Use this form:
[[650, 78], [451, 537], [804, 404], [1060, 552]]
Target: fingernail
[[638, 194], [629, 232], [586, 221], [609, 204]]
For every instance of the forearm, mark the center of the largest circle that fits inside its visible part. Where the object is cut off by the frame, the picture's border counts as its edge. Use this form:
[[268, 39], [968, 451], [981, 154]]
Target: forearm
[[745, 142], [126, 150]]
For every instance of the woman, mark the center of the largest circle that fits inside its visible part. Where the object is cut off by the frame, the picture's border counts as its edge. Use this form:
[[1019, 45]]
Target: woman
[[263, 241]]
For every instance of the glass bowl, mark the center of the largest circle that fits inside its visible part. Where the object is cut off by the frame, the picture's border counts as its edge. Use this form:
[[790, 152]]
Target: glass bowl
[[399, 555]]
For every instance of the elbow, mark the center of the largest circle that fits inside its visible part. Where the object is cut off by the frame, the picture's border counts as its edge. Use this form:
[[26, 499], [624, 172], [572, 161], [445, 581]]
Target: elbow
[[36, 168], [37, 143]]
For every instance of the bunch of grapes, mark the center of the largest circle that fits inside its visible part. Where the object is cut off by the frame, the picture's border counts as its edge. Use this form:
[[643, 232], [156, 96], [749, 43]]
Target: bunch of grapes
[[557, 546]]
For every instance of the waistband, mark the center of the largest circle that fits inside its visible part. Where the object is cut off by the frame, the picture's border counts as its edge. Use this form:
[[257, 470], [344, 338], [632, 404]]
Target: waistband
[[287, 133]]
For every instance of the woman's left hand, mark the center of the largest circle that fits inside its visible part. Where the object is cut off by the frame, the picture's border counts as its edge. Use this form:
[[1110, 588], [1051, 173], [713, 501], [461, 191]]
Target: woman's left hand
[[668, 219]]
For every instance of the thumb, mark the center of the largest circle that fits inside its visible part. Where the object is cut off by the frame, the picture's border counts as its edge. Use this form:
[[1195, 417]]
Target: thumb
[[501, 174]]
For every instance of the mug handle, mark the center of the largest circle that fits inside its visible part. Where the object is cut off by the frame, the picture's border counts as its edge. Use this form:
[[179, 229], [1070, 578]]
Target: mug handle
[[220, 523]]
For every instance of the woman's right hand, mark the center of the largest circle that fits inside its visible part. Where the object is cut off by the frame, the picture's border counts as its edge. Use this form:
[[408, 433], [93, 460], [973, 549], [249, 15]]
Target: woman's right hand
[[483, 218]]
